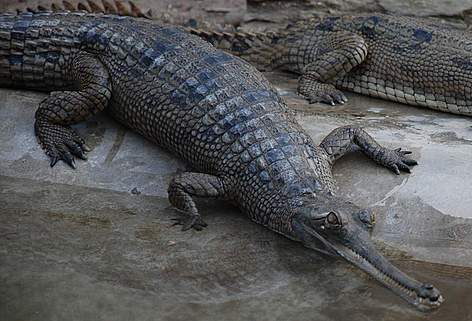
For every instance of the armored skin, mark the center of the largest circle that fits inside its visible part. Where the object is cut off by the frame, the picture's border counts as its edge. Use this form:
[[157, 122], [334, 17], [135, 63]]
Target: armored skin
[[118, 7], [404, 59], [213, 110]]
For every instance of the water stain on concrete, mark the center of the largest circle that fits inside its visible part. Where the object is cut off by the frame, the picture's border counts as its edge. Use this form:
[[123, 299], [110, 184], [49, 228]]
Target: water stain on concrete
[[81, 220], [120, 136], [449, 138]]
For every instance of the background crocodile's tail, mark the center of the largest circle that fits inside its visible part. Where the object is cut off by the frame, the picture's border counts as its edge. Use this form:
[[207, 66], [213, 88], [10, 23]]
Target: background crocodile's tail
[[119, 7], [250, 46]]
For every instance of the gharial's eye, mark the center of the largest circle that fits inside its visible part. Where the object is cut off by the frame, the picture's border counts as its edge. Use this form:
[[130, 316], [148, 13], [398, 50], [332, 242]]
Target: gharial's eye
[[333, 220]]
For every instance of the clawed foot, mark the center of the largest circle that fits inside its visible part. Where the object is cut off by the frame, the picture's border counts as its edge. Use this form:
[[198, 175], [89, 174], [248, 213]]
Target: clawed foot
[[60, 143], [332, 97], [316, 92], [190, 221], [397, 161]]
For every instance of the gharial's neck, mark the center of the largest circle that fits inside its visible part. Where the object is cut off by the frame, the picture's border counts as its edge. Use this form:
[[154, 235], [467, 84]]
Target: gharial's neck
[[275, 206]]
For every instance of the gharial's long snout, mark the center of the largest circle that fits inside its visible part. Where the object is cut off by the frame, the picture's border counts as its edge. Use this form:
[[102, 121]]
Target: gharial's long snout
[[350, 241], [360, 252]]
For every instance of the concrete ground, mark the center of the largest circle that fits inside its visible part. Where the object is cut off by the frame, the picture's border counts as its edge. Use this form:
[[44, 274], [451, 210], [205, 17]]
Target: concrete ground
[[96, 243]]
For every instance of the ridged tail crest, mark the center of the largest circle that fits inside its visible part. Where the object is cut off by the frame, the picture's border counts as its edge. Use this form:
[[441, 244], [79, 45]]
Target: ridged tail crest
[[118, 7], [251, 46]]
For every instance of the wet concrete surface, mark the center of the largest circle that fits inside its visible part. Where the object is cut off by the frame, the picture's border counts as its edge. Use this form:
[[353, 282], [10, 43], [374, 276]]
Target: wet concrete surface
[[96, 243]]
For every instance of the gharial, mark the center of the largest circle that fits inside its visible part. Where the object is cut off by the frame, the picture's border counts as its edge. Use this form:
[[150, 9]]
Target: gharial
[[404, 59], [215, 111]]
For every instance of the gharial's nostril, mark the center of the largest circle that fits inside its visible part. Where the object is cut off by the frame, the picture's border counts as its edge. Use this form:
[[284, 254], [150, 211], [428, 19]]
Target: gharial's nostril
[[434, 298], [429, 292]]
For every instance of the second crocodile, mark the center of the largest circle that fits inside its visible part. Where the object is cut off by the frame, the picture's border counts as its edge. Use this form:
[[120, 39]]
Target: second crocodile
[[404, 59]]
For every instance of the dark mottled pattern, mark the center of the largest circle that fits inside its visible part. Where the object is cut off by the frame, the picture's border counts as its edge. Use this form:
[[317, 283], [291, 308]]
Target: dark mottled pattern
[[404, 59], [212, 109]]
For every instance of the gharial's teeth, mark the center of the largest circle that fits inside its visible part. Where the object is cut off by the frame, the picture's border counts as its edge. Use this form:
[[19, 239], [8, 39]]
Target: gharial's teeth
[[387, 277]]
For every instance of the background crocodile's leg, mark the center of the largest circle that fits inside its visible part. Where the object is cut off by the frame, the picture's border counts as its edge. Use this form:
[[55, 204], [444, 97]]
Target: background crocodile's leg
[[324, 56], [63, 108], [183, 187], [347, 138]]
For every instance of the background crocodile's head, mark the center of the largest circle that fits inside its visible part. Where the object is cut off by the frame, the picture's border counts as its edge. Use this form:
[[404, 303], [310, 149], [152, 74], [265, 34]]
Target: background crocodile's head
[[337, 227]]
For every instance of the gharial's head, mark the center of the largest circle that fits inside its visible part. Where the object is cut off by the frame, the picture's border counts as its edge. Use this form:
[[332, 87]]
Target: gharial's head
[[332, 225]]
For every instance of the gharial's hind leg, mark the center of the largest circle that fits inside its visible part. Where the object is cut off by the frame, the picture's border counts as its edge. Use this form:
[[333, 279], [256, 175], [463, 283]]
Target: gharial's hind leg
[[333, 56], [187, 185], [344, 139], [63, 108]]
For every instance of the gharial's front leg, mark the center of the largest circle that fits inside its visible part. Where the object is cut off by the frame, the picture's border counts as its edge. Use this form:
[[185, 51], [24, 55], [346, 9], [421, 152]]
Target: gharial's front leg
[[344, 139], [186, 185], [332, 55], [63, 108]]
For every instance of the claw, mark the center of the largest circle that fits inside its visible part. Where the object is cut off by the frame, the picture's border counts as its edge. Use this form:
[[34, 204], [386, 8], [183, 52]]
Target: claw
[[69, 159], [339, 98], [409, 162], [395, 169], [188, 222], [400, 162], [60, 142], [80, 154], [76, 150], [403, 152], [316, 91], [404, 167], [328, 99], [195, 227], [177, 222], [54, 160]]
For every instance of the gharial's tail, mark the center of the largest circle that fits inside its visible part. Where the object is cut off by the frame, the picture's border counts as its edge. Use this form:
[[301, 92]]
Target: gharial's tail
[[257, 48], [118, 7]]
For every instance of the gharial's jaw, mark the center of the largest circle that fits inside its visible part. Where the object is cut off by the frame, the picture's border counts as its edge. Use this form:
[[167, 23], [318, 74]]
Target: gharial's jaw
[[354, 245], [425, 297]]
